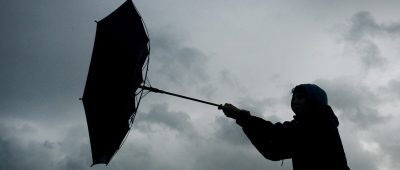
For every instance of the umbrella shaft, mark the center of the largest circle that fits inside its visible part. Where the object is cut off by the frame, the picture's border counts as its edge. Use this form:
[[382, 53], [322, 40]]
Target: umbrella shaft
[[178, 95]]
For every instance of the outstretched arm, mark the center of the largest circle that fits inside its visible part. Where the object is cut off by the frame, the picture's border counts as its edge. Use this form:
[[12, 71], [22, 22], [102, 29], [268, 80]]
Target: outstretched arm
[[273, 141]]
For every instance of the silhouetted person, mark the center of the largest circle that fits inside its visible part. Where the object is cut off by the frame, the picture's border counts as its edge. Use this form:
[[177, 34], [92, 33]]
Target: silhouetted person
[[311, 139]]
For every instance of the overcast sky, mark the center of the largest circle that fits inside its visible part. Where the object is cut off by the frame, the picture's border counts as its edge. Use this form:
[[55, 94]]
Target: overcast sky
[[249, 53]]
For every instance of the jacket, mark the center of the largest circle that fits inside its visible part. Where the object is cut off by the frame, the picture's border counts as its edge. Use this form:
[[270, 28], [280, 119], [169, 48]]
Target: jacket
[[312, 142]]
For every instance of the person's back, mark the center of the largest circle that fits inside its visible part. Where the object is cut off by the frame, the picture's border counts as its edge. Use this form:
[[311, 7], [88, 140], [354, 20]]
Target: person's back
[[311, 139], [317, 143]]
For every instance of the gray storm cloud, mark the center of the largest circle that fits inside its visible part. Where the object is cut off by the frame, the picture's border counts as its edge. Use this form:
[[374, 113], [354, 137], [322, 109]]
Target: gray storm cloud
[[160, 115], [19, 151], [45, 53], [228, 131], [360, 105], [364, 25], [393, 88], [357, 103], [362, 30], [174, 62]]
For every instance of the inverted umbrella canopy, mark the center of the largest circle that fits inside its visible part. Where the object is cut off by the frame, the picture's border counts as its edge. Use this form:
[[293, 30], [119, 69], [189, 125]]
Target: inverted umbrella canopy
[[119, 54]]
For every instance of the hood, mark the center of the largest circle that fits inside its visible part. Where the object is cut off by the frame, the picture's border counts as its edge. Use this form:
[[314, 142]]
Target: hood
[[315, 94], [321, 112]]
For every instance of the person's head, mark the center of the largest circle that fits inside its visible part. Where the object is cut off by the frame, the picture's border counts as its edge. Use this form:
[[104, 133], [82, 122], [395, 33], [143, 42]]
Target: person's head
[[306, 97]]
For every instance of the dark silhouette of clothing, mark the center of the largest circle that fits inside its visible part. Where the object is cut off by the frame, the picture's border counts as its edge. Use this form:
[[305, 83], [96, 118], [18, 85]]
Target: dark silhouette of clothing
[[311, 140]]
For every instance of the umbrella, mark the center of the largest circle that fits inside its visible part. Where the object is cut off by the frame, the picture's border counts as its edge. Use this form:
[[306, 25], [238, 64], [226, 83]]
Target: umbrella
[[119, 53], [110, 98]]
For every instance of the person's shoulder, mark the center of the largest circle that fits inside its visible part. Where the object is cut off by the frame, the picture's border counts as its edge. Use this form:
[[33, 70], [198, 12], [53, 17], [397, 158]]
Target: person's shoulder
[[324, 117], [286, 124]]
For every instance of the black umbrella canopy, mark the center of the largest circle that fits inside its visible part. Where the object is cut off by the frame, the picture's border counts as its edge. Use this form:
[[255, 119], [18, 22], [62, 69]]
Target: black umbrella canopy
[[119, 54]]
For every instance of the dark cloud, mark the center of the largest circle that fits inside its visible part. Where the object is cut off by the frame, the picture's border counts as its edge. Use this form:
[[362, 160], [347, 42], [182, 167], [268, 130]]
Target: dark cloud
[[18, 157], [208, 90], [229, 132], [221, 83], [389, 142], [176, 64], [22, 149], [357, 157], [228, 79], [357, 105], [220, 157], [362, 29], [257, 107], [45, 52], [363, 25], [356, 102], [393, 88], [160, 115], [71, 150], [74, 148], [371, 55]]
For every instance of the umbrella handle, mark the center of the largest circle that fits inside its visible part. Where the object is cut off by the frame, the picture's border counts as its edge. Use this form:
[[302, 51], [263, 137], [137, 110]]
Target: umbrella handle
[[152, 89]]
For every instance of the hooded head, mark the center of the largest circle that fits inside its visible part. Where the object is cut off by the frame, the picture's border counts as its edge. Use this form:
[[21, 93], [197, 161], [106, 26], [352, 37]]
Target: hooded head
[[307, 96]]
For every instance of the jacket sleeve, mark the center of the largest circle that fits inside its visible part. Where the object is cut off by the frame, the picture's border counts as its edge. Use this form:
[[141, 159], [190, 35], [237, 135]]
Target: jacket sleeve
[[273, 141]]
